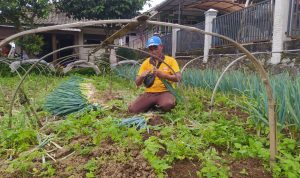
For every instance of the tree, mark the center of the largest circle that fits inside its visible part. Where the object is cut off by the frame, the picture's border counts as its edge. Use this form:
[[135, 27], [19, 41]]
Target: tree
[[101, 9], [22, 13]]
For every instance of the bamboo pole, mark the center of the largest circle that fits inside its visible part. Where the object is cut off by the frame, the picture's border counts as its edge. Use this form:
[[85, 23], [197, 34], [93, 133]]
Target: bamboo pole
[[211, 105], [59, 27], [27, 102], [259, 68], [123, 31], [231, 64], [31, 67], [184, 67]]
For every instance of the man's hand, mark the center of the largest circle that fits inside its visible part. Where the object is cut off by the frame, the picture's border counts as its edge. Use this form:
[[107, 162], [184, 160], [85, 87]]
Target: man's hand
[[139, 79], [159, 73], [175, 77]]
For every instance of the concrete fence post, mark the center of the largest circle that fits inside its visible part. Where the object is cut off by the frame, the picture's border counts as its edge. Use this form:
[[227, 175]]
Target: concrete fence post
[[112, 57], [209, 16], [81, 50], [174, 41], [280, 28]]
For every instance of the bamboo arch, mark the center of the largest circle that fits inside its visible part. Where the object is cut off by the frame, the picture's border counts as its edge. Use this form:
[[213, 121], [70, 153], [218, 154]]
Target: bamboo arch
[[134, 23]]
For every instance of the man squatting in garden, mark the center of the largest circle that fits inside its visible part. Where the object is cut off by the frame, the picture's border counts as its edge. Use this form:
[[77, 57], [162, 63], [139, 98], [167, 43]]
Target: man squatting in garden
[[156, 93]]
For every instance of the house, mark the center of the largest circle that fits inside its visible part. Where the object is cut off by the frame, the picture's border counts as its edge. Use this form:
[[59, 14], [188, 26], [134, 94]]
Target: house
[[189, 12], [272, 24], [61, 38]]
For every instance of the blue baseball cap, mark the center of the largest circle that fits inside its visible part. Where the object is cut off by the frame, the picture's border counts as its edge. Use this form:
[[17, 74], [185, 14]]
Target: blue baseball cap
[[153, 41]]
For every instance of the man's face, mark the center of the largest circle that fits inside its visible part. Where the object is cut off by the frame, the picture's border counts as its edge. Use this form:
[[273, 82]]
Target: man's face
[[156, 50]]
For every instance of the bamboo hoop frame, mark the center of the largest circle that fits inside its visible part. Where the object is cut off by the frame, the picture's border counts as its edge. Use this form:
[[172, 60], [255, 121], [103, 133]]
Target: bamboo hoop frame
[[258, 66], [27, 72], [260, 70], [23, 92], [231, 64], [71, 65], [184, 67]]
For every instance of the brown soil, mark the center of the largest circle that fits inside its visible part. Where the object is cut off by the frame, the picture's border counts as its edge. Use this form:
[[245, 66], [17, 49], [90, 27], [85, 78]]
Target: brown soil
[[184, 169], [82, 140], [248, 168], [129, 163], [112, 161], [229, 112], [137, 167], [156, 120], [72, 166], [161, 153], [107, 96], [219, 148], [146, 135], [94, 96]]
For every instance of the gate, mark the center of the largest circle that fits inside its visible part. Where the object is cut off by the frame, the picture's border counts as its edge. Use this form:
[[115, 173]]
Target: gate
[[167, 42], [249, 25], [294, 19]]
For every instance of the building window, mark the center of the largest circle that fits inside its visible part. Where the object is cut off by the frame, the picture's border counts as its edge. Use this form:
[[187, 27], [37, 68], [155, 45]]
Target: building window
[[93, 39], [127, 40], [166, 27]]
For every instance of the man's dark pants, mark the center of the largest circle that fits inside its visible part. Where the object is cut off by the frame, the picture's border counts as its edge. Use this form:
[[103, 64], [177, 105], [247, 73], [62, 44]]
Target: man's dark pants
[[163, 100]]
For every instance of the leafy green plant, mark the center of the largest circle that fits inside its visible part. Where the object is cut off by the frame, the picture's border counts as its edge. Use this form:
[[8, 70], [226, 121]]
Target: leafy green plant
[[288, 166], [23, 163], [19, 140], [127, 53], [110, 128], [254, 148], [47, 170], [190, 132], [32, 44], [91, 167], [288, 160], [212, 165], [152, 146]]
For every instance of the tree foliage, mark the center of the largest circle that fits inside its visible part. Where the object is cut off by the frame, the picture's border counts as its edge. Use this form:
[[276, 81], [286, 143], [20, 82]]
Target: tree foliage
[[19, 12], [32, 44], [101, 9]]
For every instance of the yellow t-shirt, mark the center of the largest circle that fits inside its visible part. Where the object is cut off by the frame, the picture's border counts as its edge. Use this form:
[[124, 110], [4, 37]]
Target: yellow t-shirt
[[158, 85]]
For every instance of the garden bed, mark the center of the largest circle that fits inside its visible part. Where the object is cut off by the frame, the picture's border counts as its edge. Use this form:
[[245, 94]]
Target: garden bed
[[186, 142]]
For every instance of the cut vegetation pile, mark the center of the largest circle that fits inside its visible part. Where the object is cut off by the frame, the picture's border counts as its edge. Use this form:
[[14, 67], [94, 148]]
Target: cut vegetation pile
[[67, 99]]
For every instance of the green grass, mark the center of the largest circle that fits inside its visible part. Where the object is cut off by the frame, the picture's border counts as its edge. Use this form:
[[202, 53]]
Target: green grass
[[190, 133]]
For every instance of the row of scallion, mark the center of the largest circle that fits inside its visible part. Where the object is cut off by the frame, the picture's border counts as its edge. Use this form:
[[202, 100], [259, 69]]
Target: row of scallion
[[67, 98], [286, 91], [127, 71]]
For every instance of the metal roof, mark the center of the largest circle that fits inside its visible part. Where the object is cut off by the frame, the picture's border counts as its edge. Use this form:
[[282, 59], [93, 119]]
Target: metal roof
[[56, 18], [223, 6]]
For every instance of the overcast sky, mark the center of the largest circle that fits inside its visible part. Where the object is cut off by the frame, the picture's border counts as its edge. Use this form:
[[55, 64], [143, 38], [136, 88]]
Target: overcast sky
[[152, 3]]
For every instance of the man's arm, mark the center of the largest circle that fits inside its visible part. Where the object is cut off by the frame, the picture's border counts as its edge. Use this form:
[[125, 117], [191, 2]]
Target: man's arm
[[174, 77], [139, 79], [171, 77]]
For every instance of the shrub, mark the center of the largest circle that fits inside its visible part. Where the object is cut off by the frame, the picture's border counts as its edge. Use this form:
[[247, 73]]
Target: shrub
[[127, 53]]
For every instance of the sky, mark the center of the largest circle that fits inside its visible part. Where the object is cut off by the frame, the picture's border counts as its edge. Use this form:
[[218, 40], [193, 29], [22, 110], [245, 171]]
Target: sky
[[152, 3]]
